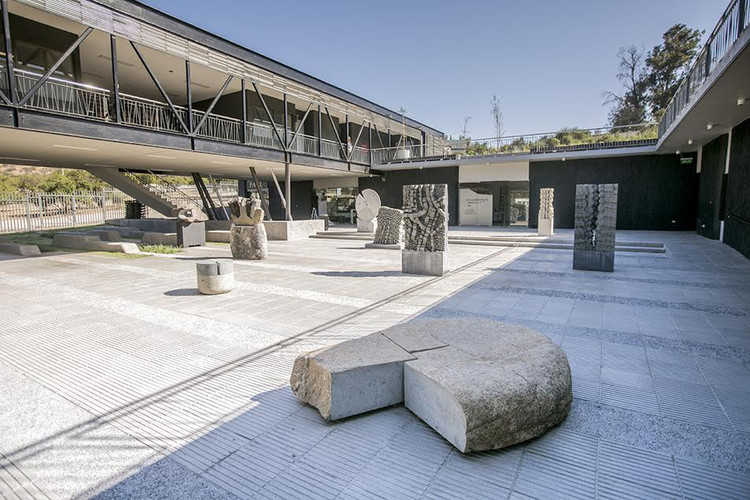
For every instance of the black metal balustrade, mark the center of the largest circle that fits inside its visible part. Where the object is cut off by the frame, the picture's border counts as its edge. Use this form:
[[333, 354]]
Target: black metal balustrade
[[735, 20]]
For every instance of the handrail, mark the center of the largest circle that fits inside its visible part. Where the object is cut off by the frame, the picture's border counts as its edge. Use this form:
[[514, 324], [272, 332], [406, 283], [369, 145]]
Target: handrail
[[733, 22]]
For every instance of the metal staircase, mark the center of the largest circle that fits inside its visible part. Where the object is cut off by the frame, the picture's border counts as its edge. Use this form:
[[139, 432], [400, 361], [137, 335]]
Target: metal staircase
[[164, 197]]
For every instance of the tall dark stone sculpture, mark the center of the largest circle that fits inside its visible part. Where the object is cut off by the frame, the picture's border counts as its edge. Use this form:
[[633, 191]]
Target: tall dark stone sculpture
[[425, 229], [595, 222]]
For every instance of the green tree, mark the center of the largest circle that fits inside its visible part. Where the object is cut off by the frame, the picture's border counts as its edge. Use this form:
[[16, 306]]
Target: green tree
[[668, 63], [631, 106]]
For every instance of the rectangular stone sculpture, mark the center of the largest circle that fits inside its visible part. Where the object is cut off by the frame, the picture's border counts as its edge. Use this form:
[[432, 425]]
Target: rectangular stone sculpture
[[546, 225], [425, 229], [389, 229], [595, 223]]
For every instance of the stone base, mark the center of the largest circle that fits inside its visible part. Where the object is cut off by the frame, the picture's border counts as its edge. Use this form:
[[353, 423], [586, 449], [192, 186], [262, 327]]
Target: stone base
[[384, 246], [282, 230], [584, 260], [546, 227], [215, 276], [185, 235], [428, 263], [248, 242], [364, 226], [83, 241]]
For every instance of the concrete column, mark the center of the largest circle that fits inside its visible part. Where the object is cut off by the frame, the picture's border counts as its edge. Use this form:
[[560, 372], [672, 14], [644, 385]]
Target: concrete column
[[288, 190]]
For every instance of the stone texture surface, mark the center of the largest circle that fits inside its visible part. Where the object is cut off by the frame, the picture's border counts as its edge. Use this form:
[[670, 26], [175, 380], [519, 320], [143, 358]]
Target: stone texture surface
[[546, 224], [390, 228], [426, 217], [595, 223], [215, 276], [481, 384], [352, 377], [248, 242], [493, 386], [79, 241]]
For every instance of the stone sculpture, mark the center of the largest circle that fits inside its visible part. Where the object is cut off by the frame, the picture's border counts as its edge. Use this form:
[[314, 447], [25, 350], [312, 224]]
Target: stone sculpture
[[247, 237], [425, 229], [546, 225], [215, 276], [389, 230], [481, 384], [595, 222], [368, 206]]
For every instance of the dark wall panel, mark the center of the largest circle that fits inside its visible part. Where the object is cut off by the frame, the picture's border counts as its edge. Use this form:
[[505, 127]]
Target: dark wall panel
[[656, 192], [709, 194], [737, 230], [390, 186], [303, 200]]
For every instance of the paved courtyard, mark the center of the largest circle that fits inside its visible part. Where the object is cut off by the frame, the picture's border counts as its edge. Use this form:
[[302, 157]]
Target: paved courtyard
[[117, 379]]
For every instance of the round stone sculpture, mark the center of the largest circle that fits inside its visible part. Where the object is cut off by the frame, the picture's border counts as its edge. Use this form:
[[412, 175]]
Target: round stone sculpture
[[248, 242], [481, 384], [215, 276], [368, 206]]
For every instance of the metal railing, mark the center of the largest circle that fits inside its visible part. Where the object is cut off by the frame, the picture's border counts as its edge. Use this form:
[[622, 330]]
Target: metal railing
[[167, 191], [36, 211], [64, 97], [398, 153], [735, 20], [77, 99], [549, 142]]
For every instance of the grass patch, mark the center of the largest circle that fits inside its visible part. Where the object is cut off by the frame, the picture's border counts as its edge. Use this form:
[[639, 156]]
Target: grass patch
[[168, 249], [119, 255]]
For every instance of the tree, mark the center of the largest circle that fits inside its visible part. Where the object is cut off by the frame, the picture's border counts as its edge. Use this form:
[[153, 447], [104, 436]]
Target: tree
[[465, 130], [668, 63], [497, 118], [631, 106]]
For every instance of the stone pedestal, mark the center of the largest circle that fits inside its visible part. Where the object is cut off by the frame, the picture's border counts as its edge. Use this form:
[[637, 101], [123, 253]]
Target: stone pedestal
[[364, 226], [248, 242], [589, 260], [215, 276], [546, 227], [429, 263]]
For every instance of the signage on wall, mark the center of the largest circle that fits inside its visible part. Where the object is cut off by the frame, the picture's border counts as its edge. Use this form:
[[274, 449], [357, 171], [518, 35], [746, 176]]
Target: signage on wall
[[474, 209]]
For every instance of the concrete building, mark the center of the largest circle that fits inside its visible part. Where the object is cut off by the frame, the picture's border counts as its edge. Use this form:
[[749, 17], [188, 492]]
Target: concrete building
[[116, 87]]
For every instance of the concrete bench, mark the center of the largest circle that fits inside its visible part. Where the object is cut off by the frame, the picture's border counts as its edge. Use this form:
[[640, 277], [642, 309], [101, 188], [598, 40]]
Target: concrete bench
[[21, 249], [481, 384], [153, 238], [79, 241]]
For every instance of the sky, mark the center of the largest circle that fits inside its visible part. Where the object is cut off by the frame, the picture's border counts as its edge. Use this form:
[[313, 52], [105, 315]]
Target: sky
[[548, 61]]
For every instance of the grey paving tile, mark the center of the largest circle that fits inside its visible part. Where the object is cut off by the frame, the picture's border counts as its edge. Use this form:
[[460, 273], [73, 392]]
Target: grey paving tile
[[627, 472], [627, 378], [701, 481], [630, 398], [692, 402]]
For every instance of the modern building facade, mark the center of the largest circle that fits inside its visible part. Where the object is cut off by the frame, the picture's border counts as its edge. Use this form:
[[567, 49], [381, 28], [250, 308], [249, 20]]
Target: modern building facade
[[116, 87]]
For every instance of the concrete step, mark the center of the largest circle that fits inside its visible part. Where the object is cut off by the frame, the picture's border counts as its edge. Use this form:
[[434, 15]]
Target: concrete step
[[531, 241]]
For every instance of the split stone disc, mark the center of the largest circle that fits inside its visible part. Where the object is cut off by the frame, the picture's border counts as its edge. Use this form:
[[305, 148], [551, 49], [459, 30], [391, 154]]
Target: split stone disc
[[368, 204]]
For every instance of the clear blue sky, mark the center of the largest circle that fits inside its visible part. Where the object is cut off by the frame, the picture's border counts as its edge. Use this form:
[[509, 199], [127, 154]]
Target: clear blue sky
[[548, 60]]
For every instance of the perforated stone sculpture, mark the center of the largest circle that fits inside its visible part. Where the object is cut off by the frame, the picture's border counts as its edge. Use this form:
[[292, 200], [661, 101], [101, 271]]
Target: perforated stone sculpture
[[481, 384], [390, 229], [595, 222], [247, 236], [367, 205], [425, 229], [546, 225]]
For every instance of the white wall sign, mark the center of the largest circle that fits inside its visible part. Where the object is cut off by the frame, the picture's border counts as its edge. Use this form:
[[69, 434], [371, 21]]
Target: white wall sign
[[474, 209]]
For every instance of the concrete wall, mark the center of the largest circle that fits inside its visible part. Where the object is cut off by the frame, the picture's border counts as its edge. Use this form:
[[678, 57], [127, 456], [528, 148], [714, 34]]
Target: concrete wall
[[737, 230], [657, 192], [710, 191], [390, 186]]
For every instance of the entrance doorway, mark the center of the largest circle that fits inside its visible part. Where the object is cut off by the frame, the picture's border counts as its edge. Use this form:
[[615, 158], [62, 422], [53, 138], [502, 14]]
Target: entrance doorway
[[510, 201]]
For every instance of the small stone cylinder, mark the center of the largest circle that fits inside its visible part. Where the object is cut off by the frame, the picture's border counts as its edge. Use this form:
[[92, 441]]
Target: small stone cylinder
[[215, 276]]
